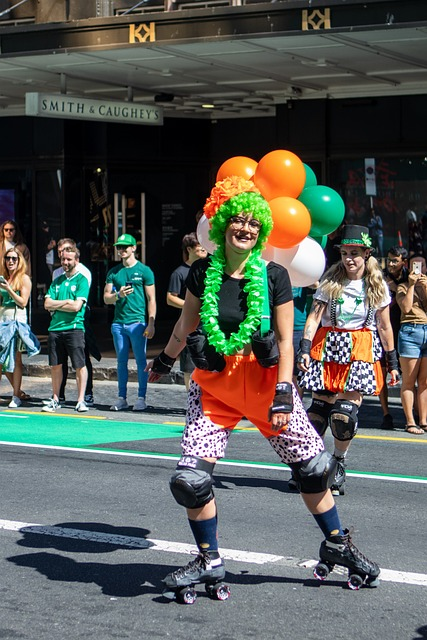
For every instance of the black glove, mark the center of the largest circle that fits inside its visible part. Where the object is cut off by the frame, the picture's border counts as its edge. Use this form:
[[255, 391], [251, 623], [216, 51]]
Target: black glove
[[162, 364], [392, 361], [304, 349], [282, 401]]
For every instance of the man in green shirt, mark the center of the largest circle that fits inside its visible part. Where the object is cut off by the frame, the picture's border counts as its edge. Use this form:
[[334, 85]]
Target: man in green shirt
[[66, 300], [130, 287]]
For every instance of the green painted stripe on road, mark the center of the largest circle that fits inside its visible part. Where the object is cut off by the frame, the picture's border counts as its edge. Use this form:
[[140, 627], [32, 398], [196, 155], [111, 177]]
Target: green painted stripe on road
[[67, 431]]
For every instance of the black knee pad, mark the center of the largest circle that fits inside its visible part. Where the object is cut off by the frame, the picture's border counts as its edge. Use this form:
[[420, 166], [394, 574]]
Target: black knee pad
[[191, 484], [315, 475], [343, 420], [318, 414]]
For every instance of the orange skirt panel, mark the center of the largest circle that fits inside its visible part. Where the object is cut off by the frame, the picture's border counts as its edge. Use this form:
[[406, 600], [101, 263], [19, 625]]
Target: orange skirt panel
[[362, 343], [335, 376], [242, 389]]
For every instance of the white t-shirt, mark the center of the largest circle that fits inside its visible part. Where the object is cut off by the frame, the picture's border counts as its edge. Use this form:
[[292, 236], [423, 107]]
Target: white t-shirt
[[351, 310], [80, 268]]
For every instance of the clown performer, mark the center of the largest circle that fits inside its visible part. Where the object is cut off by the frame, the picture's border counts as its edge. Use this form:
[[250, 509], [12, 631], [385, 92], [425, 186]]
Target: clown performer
[[226, 292], [340, 361]]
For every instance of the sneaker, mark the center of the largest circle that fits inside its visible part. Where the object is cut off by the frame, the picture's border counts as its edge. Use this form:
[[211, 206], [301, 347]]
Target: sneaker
[[139, 405], [15, 402], [89, 400], [51, 406], [387, 422], [81, 407], [61, 399], [119, 405]]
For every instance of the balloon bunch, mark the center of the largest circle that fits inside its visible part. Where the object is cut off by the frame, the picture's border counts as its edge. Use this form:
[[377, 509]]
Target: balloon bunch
[[304, 213]]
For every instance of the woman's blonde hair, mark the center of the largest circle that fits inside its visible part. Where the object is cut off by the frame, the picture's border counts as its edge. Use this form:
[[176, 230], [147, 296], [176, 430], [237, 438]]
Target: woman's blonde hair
[[334, 280], [20, 271]]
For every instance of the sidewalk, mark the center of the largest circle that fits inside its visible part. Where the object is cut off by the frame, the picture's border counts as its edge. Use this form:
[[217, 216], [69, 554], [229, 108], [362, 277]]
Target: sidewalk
[[38, 367]]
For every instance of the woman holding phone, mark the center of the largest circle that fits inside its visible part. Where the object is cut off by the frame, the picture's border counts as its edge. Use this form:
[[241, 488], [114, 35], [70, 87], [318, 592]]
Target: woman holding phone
[[411, 297]]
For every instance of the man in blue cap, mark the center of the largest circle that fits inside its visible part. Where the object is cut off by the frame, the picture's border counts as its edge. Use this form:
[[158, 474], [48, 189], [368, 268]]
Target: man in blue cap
[[130, 287]]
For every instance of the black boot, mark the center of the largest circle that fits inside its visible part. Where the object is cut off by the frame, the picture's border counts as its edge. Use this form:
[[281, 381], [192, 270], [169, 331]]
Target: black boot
[[340, 550], [338, 487], [197, 571]]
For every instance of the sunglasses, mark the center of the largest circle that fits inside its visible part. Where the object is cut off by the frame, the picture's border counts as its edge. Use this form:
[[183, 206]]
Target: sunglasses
[[122, 247], [11, 259], [10, 229]]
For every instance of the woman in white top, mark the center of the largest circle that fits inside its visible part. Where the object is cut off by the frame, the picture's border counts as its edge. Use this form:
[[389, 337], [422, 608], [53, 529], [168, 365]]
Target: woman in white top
[[340, 361], [15, 291]]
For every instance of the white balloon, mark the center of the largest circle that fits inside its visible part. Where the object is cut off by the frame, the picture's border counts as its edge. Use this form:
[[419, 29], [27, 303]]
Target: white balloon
[[305, 262], [203, 228]]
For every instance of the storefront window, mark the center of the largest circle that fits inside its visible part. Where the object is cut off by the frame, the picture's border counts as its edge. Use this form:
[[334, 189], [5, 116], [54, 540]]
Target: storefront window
[[400, 185]]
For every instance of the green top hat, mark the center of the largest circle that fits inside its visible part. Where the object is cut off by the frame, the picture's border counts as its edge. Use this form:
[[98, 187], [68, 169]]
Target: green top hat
[[355, 235]]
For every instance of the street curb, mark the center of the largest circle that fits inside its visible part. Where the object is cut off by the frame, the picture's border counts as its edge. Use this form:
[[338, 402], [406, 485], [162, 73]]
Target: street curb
[[101, 371]]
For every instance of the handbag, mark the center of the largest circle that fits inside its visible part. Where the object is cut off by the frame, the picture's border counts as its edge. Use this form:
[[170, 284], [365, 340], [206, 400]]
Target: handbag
[[264, 343]]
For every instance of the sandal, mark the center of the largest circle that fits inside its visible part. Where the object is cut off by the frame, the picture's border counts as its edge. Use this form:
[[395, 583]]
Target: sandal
[[423, 427], [24, 396], [412, 428]]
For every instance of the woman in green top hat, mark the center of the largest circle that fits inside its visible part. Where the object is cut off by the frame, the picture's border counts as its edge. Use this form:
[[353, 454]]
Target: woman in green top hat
[[340, 361]]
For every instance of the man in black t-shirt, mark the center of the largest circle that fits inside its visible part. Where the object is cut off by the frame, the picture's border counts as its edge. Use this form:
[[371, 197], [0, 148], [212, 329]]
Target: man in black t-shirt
[[192, 250]]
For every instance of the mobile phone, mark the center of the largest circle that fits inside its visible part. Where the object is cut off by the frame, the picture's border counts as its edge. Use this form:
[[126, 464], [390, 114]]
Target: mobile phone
[[3, 280], [416, 267], [129, 284]]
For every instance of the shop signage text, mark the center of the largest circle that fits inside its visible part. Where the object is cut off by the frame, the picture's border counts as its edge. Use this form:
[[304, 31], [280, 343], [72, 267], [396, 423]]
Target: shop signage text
[[70, 107]]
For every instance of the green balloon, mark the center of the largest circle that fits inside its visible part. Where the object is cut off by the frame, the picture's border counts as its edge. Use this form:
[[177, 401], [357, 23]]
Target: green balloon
[[310, 177], [326, 208], [322, 240]]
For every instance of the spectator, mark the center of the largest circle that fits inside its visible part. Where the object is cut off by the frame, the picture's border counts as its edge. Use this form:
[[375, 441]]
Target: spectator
[[395, 273], [192, 250], [11, 236], [66, 300], [375, 226], [45, 255], [411, 297], [15, 333], [424, 232], [130, 287], [414, 236], [340, 360], [91, 348]]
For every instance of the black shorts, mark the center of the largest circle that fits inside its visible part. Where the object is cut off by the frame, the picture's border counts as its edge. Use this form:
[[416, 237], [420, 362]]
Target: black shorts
[[61, 344]]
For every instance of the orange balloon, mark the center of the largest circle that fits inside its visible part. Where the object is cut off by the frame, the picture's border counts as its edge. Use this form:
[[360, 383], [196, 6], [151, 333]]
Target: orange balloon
[[292, 222], [237, 166], [280, 173]]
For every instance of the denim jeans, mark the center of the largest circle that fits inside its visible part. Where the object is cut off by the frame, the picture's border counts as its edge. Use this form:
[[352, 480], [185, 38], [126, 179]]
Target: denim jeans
[[124, 337]]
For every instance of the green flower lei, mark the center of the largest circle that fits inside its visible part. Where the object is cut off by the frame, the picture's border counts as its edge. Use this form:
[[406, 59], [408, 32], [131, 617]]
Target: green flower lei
[[209, 310]]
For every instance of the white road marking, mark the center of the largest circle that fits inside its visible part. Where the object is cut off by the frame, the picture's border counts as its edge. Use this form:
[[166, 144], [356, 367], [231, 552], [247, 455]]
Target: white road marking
[[158, 456], [248, 557]]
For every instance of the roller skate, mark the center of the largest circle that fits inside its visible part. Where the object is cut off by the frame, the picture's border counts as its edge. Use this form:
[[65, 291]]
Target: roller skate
[[341, 551], [179, 585], [337, 488]]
